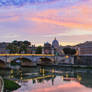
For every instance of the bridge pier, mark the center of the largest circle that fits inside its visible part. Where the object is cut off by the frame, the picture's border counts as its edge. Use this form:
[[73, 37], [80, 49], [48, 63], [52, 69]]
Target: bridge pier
[[34, 58]]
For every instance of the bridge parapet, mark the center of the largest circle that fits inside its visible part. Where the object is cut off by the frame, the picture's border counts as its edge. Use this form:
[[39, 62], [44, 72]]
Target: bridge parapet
[[32, 57], [27, 55]]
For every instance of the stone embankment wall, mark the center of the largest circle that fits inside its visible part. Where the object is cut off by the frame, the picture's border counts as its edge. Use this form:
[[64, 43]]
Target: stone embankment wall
[[1, 85], [64, 59]]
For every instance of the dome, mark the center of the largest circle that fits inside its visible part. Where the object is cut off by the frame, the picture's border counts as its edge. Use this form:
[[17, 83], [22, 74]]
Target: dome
[[55, 43], [47, 44]]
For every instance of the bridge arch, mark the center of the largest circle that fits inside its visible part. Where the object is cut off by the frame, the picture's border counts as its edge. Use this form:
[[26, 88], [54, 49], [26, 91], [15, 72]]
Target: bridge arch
[[22, 61], [45, 61], [2, 64]]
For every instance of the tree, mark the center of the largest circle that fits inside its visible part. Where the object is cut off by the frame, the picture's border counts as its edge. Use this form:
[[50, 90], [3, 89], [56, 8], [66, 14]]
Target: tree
[[73, 51], [39, 50], [12, 48], [27, 43], [15, 42], [69, 51], [18, 46]]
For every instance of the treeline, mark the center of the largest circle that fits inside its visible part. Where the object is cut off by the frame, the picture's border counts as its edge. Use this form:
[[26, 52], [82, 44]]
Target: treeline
[[25, 46], [18, 46], [69, 51], [22, 47]]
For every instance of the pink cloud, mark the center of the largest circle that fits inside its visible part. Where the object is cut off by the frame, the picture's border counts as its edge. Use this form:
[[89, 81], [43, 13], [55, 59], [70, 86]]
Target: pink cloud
[[68, 87], [78, 16], [13, 19], [61, 23], [52, 20]]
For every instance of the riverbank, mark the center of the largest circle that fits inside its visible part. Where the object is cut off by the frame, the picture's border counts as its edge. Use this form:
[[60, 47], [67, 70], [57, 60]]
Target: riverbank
[[68, 66], [1, 85], [10, 85], [54, 65]]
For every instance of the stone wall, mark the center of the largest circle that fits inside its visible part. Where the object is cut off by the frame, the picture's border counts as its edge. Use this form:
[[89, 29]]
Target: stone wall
[[83, 60]]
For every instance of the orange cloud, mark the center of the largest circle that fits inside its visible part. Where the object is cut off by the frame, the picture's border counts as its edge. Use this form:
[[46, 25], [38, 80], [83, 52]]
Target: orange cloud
[[77, 16], [61, 23]]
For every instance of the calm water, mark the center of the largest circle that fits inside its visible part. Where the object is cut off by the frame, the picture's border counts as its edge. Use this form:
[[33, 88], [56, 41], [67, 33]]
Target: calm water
[[44, 79]]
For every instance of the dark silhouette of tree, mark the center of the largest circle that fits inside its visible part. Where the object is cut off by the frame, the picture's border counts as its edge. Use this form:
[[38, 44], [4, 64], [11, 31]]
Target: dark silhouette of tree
[[18, 46], [39, 50], [27, 43], [69, 51]]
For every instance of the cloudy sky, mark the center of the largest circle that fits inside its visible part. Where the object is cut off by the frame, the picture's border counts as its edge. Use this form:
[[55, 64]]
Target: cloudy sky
[[39, 21]]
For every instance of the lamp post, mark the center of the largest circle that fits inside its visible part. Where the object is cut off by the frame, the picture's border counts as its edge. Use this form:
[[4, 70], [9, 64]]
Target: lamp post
[[6, 58], [6, 61]]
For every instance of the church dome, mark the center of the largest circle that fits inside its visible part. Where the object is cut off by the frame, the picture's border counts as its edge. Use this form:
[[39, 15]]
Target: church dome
[[47, 44], [55, 43]]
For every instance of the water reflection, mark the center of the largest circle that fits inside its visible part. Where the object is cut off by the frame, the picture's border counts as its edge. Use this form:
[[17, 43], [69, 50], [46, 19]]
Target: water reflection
[[43, 79]]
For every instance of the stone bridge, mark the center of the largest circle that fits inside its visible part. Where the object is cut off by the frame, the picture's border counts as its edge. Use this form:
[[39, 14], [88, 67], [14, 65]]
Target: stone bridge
[[34, 58]]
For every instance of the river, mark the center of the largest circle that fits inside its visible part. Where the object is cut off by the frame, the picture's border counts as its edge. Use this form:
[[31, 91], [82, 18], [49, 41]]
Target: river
[[50, 79]]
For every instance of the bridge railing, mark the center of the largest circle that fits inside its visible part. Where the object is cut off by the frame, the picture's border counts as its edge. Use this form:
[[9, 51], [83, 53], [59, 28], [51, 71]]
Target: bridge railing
[[27, 55]]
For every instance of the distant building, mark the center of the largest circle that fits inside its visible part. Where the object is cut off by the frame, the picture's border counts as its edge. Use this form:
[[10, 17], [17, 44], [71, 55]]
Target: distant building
[[3, 47], [85, 48], [55, 44], [58, 50], [47, 48], [53, 48]]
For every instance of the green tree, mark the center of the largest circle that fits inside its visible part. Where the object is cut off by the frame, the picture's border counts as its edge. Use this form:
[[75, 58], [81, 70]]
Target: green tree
[[27, 43], [69, 51], [12, 48], [15, 42], [18, 46], [39, 50], [73, 51]]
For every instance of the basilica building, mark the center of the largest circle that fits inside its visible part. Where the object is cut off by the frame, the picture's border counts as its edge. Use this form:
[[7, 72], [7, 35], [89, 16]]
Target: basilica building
[[53, 48]]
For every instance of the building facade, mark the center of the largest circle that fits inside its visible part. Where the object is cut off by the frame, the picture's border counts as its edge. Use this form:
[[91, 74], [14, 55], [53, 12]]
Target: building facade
[[3, 48], [53, 48], [47, 48], [85, 48], [58, 50]]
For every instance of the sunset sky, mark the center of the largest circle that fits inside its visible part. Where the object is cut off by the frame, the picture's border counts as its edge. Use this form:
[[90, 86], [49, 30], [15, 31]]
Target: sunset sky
[[39, 21]]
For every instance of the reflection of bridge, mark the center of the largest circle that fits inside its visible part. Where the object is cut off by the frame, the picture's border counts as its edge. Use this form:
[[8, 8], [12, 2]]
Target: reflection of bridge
[[46, 74], [40, 77]]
